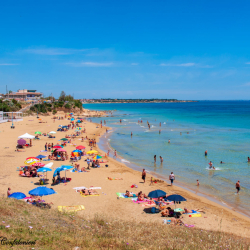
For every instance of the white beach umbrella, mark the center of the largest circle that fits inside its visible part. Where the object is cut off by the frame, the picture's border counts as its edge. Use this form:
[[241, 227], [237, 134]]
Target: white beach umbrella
[[27, 136], [49, 165], [52, 132]]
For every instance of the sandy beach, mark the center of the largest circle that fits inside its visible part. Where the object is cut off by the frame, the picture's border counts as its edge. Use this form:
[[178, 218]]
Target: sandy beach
[[216, 217]]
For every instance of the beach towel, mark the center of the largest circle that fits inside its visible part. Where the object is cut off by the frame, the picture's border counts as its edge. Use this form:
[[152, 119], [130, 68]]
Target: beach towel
[[148, 205], [80, 188], [114, 179], [122, 195], [136, 201], [83, 195], [70, 208], [179, 210], [195, 215]]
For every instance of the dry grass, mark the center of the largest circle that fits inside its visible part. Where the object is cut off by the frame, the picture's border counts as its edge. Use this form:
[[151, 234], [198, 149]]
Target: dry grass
[[54, 230]]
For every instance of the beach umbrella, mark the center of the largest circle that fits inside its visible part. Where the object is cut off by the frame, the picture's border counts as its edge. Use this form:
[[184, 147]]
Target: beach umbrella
[[21, 142], [49, 165], [29, 158], [30, 161], [77, 151], [41, 156], [175, 197], [52, 132], [38, 164], [78, 120], [61, 150], [92, 152], [38, 133], [78, 128], [80, 147], [97, 157], [26, 136], [157, 193], [72, 119], [57, 146], [65, 127], [71, 113], [44, 169], [64, 139], [17, 195], [41, 191]]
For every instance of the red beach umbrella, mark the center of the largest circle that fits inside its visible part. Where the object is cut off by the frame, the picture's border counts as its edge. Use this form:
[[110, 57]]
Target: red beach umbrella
[[57, 146], [80, 147]]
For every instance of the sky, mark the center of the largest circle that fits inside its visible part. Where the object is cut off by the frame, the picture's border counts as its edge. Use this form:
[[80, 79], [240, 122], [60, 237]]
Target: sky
[[187, 50]]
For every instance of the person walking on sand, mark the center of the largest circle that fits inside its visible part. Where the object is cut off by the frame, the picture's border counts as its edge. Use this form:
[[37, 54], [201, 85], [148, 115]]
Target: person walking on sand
[[46, 146], [88, 162], [237, 186], [172, 178], [143, 175]]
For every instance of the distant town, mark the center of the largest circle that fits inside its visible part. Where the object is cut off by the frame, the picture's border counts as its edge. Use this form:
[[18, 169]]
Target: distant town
[[109, 100]]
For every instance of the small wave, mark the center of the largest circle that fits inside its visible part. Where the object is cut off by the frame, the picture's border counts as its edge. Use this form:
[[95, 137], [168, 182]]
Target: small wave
[[108, 139], [153, 126], [172, 130], [213, 169], [146, 131], [123, 160], [142, 126], [164, 122], [125, 120]]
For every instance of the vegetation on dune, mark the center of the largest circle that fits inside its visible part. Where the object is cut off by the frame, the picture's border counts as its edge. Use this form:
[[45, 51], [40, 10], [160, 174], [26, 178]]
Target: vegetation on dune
[[51, 229], [10, 105], [64, 101]]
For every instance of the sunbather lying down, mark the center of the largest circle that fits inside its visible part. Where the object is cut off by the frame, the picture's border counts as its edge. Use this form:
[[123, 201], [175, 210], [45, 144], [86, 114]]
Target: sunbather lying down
[[88, 192], [110, 178], [188, 211], [176, 222]]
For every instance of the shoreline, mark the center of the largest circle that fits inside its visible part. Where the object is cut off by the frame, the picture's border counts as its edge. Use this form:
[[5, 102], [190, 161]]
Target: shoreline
[[216, 218], [182, 185]]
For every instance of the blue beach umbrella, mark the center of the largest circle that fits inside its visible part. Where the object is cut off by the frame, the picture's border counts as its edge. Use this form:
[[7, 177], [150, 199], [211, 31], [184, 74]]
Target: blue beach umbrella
[[72, 119], [17, 195], [64, 126], [78, 120], [175, 197], [62, 168], [44, 170], [157, 193], [41, 191], [41, 156]]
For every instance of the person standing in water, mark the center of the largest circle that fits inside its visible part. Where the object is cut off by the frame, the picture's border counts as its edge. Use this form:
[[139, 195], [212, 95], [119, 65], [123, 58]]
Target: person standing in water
[[154, 158], [198, 183], [237, 186], [131, 134], [168, 140], [206, 153], [143, 175], [161, 159], [115, 154], [159, 131]]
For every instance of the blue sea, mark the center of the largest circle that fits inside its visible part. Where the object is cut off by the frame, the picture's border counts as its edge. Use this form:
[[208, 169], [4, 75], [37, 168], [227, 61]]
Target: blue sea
[[220, 127]]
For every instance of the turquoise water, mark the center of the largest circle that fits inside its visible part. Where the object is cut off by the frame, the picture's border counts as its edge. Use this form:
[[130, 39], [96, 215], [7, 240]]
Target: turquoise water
[[221, 128]]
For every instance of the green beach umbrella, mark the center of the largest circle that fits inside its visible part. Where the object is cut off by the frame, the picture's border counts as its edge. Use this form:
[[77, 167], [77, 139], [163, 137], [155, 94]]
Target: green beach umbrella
[[64, 139], [38, 133]]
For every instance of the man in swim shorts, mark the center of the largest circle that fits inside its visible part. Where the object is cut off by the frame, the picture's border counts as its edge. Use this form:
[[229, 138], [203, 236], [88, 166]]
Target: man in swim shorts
[[143, 176], [237, 185]]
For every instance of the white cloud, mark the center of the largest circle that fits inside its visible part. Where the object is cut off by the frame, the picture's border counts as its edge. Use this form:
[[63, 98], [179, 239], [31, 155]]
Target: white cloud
[[178, 65], [134, 64], [247, 62], [8, 64], [90, 64], [53, 51]]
